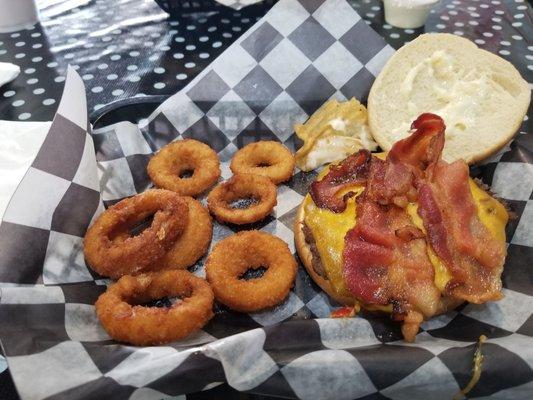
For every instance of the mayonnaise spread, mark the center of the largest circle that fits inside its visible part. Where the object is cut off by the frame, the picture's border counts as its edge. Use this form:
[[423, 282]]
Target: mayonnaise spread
[[455, 93]]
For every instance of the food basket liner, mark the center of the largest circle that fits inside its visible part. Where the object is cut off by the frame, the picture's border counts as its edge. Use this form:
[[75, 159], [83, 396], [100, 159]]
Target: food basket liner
[[299, 55]]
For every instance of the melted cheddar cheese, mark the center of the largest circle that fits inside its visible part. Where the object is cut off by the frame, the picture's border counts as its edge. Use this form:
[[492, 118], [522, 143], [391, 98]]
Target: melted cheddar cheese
[[442, 275], [329, 228]]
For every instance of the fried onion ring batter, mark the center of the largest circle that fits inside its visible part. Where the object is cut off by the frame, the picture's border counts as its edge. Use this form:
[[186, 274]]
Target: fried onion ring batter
[[266, 158], [233, 256], [240, 187], [167, 167], [139, 325], [194, 241], [139, 253]]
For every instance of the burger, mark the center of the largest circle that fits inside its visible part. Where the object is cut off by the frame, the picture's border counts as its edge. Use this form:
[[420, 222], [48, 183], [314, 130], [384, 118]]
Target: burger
[[403, 233]]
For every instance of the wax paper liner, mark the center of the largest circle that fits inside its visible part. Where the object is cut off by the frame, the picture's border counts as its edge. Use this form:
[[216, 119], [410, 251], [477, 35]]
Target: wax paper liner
[[298, 56]]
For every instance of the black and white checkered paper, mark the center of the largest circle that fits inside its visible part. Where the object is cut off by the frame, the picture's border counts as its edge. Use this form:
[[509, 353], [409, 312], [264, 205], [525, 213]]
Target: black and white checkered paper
[[299, 55]]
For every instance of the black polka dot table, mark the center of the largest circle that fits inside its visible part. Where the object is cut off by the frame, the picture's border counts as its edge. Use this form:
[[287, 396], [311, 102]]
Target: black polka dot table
[[132, 48], [135, 49]]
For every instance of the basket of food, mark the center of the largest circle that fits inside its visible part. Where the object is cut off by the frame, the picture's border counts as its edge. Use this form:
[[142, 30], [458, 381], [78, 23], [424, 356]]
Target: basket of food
[[299, 221]]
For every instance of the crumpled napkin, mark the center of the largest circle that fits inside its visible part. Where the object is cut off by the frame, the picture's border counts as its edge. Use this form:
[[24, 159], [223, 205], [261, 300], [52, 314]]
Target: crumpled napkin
[[19, 144], [8, 72]]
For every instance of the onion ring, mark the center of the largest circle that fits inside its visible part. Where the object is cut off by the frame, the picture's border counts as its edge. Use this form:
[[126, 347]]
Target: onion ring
[[239, 187], [140, 325], [236, 254], [138, 253], [193, 242], [266, 158], [183, 156]]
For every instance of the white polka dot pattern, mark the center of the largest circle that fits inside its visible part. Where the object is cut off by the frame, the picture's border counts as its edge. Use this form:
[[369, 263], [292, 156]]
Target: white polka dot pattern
[[117, 55], [160, 55]]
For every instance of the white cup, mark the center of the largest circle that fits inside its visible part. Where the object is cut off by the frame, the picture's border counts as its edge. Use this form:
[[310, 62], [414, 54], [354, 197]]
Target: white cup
[[17, 14], [407, 14]]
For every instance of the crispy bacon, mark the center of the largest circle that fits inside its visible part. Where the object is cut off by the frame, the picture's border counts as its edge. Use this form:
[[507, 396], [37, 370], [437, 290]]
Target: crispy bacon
[[473, 257], [431, 215], [368, 252], [352, 170], [394, 180], [423, 148], [385, 255], [390, 183], [409, 232], [385, 260]]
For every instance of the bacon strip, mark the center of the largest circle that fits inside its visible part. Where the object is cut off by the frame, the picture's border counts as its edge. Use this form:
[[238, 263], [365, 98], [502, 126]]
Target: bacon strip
[[380, 249], [368, 252], [352, 170], [390, 183], [393, 181], [385, 260], [423, 148], [457, 235], [385, 255]]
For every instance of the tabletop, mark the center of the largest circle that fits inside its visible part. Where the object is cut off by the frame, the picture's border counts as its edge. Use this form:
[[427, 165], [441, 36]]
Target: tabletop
[[135, 49], [132, 48]]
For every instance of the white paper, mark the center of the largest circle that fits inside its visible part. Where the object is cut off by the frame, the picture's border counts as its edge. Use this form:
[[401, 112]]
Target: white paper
[[8, 72], [19, 144]]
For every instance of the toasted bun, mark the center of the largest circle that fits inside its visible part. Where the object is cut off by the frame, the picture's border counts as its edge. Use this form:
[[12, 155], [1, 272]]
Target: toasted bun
[[482, 113], [304, 252]]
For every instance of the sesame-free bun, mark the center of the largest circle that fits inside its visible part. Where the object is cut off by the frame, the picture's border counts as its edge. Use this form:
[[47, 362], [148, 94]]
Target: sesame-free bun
[[481, 97]]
